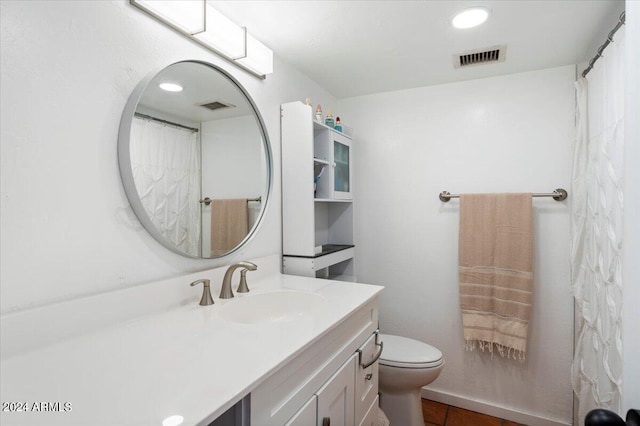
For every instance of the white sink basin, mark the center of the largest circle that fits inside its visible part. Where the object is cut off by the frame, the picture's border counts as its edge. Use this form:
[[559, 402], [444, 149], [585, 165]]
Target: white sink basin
[[271, 307]]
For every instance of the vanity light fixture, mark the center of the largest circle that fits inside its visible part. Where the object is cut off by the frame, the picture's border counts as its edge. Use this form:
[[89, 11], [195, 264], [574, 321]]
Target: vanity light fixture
[[170, 87], [223, 35], [202, 23], [259, 58], [469, 18]]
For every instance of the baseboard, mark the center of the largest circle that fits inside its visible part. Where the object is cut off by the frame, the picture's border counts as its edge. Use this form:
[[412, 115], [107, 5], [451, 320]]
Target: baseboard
[[490, 409]]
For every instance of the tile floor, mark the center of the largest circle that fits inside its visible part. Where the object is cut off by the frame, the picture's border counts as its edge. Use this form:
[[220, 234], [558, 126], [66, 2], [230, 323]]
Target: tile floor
[[437, 414]]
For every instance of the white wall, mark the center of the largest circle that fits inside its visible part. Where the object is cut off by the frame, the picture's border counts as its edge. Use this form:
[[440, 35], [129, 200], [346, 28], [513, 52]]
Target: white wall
[[68, 68], [232, 158], [505, 134]]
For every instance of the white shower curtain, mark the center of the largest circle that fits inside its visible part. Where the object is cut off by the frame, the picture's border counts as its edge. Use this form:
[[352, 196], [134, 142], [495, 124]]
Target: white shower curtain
[[166, 170], [596, 233]]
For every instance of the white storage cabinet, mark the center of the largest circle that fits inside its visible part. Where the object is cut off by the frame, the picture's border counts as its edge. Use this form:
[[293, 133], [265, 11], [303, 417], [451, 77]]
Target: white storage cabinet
[[317, 196]]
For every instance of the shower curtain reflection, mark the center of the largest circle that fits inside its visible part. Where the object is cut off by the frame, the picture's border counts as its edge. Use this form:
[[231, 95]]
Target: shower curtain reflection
[[166, 169]]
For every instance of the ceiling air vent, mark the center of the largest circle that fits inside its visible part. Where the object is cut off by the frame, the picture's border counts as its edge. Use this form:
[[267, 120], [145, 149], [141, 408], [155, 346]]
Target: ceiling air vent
[[216, 105], [488, 55]]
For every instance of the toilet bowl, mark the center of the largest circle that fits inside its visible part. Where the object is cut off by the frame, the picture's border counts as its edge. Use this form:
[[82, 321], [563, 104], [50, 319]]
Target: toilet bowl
[[406, 365]]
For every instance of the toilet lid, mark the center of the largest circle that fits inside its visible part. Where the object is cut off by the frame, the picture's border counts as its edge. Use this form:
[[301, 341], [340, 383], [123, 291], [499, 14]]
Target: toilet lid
[[408, 353]]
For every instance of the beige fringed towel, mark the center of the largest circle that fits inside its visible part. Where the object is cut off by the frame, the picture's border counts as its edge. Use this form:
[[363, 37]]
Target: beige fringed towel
[[229, 224], [496, 271]]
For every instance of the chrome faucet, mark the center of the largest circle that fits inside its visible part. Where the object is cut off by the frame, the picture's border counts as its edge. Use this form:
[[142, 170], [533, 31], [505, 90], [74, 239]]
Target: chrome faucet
[[226, 292]]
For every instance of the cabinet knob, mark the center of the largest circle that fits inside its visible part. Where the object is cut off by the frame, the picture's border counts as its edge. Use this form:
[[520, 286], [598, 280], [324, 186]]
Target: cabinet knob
[[369, 376], [326, 421]]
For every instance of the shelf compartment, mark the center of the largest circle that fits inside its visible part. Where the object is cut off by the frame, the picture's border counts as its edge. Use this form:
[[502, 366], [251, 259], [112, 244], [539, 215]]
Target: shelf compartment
[[319, 161], [330, 200], [346, 130], [326, 250]]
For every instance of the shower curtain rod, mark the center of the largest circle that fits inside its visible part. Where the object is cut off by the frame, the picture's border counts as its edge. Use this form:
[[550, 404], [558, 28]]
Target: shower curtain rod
[[558, 195], [605, 44], [159, 120]]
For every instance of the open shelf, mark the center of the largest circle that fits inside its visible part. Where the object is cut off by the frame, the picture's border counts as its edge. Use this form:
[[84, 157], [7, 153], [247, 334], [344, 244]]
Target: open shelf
[[330, 200], [310, 265], [326, 249]]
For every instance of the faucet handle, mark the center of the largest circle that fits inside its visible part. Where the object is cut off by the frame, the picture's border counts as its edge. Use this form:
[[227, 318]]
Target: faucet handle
[[248, 266], [243, 287], [206, 299]]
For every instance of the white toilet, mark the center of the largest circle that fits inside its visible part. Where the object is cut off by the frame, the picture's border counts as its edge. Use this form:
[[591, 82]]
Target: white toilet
[[406, 365]]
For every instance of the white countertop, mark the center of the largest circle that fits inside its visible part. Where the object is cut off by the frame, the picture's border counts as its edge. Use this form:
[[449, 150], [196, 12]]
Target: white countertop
[[186, 361]]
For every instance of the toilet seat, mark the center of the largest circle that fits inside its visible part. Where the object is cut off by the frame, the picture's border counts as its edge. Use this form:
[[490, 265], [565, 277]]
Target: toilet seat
[[403, 352]]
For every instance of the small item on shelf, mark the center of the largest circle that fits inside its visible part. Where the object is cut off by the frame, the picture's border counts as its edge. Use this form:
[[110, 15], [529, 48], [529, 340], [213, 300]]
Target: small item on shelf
[[318, 170], [307, 101], [319, 113], [329, 120], [338, 125]]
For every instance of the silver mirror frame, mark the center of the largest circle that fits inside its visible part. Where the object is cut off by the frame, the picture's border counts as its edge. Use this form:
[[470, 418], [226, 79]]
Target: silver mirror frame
[[126, 173]]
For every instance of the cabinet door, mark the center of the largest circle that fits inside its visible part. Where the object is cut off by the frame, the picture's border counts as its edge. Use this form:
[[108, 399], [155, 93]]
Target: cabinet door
[[336, 397], [342, 166], [307, 415]]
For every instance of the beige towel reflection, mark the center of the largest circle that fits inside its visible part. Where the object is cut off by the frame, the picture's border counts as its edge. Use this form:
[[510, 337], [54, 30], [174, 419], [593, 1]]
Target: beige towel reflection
[[229, 224], [496, 271]]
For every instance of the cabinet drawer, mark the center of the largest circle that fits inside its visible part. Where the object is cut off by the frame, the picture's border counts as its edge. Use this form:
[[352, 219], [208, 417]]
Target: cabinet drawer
[[371, 417], [367, 378]]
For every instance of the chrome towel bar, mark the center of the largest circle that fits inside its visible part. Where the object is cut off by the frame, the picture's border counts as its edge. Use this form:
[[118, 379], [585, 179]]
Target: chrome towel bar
[[558, 195]]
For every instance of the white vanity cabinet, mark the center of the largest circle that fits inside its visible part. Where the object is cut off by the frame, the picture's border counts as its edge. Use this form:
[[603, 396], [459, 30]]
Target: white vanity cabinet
[[317, 196], [307, 415], [326, 382]]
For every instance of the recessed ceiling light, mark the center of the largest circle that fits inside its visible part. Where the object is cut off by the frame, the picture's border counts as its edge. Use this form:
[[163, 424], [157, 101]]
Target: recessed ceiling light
[[471, 17], [173, 421], [170, 87]]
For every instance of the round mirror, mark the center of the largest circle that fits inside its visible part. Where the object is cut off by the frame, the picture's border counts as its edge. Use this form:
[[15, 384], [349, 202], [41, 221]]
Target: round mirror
[[195, 159]]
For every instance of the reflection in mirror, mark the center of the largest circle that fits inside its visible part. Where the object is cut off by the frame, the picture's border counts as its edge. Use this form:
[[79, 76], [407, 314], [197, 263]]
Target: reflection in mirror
[[195, 159]]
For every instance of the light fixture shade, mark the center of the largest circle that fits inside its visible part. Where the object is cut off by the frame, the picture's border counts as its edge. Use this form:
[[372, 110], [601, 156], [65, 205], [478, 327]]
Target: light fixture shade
[[223, 35], [186, 15], [200, 21], [259, 57]]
